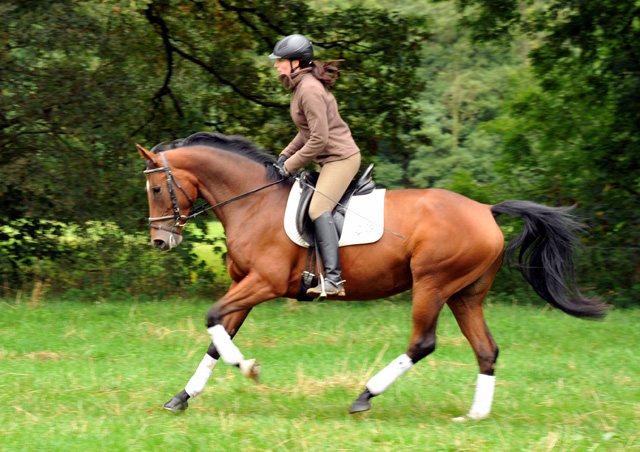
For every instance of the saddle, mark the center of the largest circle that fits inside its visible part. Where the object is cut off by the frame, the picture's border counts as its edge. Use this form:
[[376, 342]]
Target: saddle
[[362, 185]]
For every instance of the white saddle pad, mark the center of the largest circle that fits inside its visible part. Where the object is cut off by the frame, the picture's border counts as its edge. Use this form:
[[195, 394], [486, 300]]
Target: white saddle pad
[[363, 223]]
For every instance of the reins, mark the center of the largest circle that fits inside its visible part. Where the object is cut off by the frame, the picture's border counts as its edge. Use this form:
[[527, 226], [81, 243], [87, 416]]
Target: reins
[[205, 208], [181, 220]]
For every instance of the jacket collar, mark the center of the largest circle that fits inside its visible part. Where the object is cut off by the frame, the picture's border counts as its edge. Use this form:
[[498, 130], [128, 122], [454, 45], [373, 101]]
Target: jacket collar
[[290, 81]]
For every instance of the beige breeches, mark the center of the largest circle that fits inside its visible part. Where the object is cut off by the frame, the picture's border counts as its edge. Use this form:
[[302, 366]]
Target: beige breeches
[[333, 181]]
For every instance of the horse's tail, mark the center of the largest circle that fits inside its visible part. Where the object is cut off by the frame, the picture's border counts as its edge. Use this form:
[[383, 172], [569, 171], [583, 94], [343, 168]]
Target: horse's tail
[[545, 256]]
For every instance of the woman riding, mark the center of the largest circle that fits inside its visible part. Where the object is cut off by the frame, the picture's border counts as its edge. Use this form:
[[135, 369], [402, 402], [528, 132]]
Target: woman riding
[[324, 138]]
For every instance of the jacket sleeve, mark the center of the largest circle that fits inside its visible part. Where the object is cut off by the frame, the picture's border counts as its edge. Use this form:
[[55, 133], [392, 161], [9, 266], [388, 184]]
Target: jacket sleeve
[[294, 146], [315, 111]]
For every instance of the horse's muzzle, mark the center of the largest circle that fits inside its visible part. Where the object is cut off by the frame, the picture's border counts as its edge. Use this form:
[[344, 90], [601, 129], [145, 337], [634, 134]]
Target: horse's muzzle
[[166, 241]]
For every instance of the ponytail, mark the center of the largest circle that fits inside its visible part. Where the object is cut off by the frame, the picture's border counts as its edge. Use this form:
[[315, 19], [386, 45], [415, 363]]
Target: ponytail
[[327, 73]]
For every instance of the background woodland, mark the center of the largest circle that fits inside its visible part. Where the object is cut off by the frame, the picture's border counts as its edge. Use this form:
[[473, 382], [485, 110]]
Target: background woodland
[[494, 99]]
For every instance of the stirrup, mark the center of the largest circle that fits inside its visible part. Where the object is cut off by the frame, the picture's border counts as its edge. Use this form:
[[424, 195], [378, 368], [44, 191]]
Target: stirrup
[[327, 288]]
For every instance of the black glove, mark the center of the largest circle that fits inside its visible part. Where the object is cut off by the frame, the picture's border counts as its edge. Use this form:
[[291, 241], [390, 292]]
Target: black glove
[[280, 166]]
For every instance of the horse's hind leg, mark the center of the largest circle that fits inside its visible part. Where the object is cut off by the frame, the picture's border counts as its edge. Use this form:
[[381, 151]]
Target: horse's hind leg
[[202, 374], [466, 306], [427, 305]]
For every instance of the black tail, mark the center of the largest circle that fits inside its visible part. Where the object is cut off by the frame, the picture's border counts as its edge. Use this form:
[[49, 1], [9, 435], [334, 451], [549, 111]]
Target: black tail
[[546, 256]]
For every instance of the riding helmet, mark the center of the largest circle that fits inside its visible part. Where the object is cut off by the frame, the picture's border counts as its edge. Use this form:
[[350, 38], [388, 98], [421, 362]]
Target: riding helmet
[[293, 47]]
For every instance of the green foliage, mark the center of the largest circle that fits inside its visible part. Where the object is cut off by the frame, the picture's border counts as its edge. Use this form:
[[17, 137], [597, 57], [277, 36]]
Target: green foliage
[[102, 262], [82, 81], [495, 99], [70, 100], [463, 89], [21, 249], [569, 129]]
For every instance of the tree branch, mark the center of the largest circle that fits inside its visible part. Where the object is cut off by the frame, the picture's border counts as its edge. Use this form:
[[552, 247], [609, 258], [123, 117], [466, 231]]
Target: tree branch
[[170, 48], [165, 89], [263, 19]]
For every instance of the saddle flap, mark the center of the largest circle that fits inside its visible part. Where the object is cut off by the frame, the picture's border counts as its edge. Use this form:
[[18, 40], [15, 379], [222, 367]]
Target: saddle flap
[[362, 185]]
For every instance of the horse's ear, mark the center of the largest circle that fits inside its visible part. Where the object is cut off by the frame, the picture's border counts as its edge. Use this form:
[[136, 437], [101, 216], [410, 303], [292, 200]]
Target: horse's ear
[[148, 156]]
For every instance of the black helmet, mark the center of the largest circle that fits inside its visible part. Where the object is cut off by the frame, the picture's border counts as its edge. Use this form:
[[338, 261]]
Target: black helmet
[[293, 47]]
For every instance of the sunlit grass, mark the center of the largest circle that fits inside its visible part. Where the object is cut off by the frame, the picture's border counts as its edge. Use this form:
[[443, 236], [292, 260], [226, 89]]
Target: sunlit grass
[[94, 377]]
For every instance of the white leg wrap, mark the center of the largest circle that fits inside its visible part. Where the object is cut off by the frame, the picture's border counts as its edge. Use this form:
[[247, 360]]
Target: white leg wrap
[[199, 380], [484, 397], [383, 379], [227, 349]]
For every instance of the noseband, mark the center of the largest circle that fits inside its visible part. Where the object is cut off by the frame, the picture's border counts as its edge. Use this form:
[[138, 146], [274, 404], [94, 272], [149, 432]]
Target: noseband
[[181, 220]]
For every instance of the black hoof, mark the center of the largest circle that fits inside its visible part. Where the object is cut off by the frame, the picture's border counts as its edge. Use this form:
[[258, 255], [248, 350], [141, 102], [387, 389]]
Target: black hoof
[[361, 403], [178, 402]]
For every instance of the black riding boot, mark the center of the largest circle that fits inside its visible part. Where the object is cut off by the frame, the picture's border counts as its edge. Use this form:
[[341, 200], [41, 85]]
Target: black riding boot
[[327, 240]]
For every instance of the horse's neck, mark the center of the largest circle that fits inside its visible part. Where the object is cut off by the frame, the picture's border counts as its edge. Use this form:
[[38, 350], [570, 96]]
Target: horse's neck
[[223, 176]]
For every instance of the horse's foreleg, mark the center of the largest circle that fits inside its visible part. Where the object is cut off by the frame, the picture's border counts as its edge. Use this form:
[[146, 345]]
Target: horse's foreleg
[[467, 309], [423, 342], [244, 295], [198, 381]]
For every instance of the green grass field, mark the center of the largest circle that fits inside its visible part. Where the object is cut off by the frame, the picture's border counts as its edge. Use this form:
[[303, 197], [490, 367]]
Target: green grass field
[[81, 377]]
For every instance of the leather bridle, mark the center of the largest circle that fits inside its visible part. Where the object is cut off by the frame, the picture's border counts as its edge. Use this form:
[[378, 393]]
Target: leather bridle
[[181, 220]]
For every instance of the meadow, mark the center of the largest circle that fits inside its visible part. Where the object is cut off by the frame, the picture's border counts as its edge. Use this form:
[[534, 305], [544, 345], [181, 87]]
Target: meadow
[[91, 377]]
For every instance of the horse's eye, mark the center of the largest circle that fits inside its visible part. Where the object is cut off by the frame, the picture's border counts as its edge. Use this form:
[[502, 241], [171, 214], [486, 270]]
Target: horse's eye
[[156, 190]]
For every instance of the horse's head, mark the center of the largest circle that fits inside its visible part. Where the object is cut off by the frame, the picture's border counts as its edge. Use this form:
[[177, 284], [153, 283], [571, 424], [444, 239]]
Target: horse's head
[[167, 201]]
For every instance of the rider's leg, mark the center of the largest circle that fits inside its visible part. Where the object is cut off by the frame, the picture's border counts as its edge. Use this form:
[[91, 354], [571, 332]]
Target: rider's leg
[[332, 183], [327, 245]]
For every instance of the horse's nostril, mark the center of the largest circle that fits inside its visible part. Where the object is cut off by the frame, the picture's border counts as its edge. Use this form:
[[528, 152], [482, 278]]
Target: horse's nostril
[[158, 244]]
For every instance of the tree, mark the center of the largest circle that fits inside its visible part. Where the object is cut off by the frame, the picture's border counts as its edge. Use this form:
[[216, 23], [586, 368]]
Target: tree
[[82, 81], [463, 89], [571, 128]]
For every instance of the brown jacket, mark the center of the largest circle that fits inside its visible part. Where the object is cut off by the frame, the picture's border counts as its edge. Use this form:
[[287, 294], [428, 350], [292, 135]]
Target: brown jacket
[[322, 134]]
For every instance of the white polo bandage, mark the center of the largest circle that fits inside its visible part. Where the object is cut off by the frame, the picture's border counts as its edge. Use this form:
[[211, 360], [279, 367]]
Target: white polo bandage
[[199, 380], [229, 353], [383, 379], [483, 398]]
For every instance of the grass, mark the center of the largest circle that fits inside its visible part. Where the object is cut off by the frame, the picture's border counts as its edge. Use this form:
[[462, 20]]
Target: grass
[[81, 377]]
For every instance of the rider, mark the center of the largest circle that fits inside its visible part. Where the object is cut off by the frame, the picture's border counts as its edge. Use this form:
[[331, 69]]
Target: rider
[[324, 138]]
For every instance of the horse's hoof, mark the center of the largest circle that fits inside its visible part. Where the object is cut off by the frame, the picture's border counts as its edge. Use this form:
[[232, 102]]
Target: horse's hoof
[[250, 368], [361, 403], [176, 404], [359, 406]]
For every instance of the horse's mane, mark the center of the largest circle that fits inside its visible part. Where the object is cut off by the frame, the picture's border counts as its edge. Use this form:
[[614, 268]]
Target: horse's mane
[[231, 143]]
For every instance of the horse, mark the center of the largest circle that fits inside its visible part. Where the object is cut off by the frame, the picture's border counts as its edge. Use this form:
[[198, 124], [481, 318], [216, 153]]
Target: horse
[[445, 247]]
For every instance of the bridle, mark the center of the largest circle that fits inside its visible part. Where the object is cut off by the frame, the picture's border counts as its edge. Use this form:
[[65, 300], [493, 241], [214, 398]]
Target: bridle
[[181, 220]]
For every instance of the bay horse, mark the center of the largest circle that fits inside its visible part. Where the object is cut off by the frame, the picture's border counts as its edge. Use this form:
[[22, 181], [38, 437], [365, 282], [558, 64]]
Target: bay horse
[[449, 252]]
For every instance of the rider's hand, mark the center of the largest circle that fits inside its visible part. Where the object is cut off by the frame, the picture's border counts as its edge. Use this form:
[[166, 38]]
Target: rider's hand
[[282, 169]]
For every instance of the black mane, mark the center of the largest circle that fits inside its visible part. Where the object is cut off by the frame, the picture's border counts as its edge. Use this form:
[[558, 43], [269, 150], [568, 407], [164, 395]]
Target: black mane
[[231, 143]]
